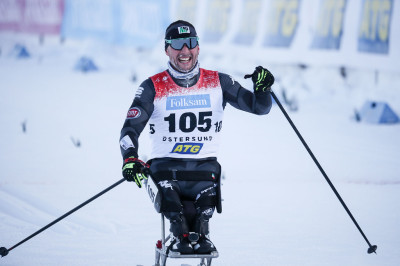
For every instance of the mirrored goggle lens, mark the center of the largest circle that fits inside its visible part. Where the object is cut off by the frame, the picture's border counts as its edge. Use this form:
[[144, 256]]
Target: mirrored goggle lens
[[178, 44]]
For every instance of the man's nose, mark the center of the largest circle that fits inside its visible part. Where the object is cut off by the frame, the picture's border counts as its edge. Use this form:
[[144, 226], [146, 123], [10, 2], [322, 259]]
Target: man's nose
[[185, 48]]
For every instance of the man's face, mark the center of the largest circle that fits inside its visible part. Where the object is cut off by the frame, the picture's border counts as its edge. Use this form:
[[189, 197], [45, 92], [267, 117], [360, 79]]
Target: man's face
[[183, 60]]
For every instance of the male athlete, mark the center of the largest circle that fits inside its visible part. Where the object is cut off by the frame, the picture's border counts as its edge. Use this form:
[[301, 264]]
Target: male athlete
[[183, 108]]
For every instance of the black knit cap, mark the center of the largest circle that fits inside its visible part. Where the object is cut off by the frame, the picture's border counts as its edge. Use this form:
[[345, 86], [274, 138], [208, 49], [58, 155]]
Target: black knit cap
[[179, 29]]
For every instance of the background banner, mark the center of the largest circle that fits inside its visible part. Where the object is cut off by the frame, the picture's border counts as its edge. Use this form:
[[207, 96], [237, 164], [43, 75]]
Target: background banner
[[283, 18], [187, 10], [138, 23], [358, 33], [374, 31], [249, 17], [217, 20], [141, 22], [89, 19], [329, 27], [32, 16]]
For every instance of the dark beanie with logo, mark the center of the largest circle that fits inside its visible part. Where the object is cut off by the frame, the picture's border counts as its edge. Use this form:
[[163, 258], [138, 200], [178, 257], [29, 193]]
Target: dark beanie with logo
[[179, 29]]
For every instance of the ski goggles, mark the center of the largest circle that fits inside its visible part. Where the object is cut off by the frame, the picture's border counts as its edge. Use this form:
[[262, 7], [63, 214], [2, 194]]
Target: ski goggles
[[177, 44]]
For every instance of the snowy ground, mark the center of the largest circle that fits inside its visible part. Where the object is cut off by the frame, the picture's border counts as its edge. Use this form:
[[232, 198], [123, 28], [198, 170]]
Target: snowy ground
[[277, 209]]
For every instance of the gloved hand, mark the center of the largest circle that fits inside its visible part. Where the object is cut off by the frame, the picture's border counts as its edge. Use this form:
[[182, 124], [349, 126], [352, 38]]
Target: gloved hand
[[135, 169], [262, 79]]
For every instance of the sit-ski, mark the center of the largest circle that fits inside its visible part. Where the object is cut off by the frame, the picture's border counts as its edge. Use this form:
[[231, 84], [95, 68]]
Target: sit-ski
[[162, 251]]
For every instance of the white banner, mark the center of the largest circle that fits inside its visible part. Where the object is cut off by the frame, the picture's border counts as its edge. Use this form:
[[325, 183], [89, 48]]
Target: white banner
[[356, 33]]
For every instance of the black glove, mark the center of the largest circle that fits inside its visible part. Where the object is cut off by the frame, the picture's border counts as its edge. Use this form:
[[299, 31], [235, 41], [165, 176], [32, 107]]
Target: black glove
[[262, 79], [135, 169]]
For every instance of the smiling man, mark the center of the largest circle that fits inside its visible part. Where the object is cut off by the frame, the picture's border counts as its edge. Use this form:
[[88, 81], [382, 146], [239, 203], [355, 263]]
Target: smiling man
[[184, 59], [183, 107]]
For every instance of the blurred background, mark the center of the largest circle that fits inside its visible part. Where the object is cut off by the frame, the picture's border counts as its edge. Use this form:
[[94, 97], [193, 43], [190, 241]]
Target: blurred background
[[346, 35]]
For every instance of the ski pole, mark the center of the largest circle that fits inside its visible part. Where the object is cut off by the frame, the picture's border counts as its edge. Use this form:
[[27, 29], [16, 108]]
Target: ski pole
[[372, 248], [4, 251]]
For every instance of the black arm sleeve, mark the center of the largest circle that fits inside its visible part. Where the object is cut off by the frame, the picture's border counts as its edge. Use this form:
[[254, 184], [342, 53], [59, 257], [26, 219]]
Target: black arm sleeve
[[133, 127], [257, 103]]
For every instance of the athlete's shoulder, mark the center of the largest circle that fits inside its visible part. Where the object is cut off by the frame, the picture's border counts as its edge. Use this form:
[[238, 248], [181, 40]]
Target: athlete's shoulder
[[227, 81], [159, 76], [208, 72], [146, 91], [209, 77]]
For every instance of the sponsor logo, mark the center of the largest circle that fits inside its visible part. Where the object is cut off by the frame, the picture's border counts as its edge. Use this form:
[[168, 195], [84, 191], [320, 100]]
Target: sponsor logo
[[133, 113], [212, 193], [208, 212], [188, 102], [187, 148], [126, 143], [183, 29], [165, 184], [151, 188], [139, 92]]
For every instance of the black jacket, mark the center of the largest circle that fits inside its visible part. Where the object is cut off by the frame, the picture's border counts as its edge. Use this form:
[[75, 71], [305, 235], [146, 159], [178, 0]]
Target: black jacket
[[233, 93]]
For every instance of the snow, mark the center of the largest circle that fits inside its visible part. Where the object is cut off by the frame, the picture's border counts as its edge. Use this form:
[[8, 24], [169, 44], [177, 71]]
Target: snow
[[277, 208]]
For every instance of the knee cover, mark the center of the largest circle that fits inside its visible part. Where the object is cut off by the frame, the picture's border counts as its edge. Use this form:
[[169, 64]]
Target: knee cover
[[170, 199], [207, 198]]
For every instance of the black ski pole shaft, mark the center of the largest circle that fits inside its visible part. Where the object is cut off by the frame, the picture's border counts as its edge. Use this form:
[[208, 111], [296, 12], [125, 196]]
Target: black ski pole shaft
[[372, 248], [4, 251]]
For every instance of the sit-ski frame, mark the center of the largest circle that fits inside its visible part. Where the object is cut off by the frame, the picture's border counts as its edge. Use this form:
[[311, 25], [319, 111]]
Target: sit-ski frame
[[162, 252]]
